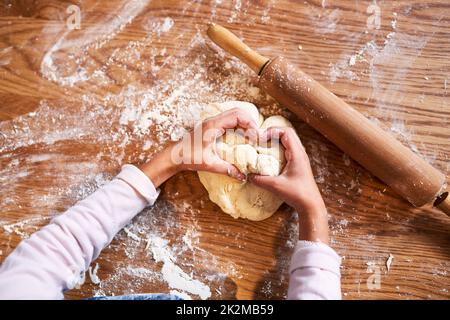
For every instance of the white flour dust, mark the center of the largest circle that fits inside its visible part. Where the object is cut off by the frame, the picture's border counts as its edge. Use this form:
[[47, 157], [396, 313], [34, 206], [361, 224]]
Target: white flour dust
[[93, 274], [386, 64], [175, 277]]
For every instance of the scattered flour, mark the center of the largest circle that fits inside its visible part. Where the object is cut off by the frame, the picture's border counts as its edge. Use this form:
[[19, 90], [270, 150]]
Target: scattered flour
[[93, 274], [159, 25], [25, 227], [389, 261], [325, 21], [235, 11], [175, 277], [141, 272], [131, 235]]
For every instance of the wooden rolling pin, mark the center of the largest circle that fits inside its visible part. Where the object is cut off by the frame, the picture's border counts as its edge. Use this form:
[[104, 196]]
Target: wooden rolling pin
[[379, 152]]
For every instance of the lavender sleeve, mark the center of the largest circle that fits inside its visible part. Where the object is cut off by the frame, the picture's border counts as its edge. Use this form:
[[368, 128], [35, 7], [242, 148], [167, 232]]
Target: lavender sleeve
[[314, 272], [53, 259]]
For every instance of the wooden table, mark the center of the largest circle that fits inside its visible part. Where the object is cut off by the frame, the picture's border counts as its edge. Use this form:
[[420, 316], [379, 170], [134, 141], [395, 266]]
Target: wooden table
[[68, 98]]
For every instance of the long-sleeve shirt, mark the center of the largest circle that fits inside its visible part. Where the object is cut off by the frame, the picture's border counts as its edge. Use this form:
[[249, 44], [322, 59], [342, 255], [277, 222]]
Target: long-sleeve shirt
[[52, 259]]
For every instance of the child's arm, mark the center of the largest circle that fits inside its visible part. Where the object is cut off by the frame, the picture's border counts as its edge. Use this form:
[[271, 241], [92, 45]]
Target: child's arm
[[52, 259], [315, 267]]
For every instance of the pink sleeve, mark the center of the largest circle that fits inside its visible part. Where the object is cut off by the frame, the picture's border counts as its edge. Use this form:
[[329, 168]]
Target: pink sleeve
[[53, 259], [314, 272]]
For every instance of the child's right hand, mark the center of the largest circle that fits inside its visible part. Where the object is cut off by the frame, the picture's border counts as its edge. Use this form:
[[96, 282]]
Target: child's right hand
[[296, 186]]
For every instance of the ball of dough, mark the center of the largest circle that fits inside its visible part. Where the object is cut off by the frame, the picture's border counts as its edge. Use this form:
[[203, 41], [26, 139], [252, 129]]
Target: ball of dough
[[243, 199]]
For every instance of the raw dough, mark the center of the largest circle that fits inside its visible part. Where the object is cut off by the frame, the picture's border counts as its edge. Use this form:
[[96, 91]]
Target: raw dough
[[242, 199]]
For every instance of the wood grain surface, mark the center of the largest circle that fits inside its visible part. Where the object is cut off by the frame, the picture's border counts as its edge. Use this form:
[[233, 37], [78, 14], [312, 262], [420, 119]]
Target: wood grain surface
[[67, 98]]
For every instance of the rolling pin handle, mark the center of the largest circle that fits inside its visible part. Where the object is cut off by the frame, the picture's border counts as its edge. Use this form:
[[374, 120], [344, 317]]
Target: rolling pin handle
[[233, 45]]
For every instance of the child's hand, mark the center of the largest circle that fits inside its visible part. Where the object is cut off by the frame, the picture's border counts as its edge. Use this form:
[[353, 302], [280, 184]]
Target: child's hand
[[197, 151], [296, 186]]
